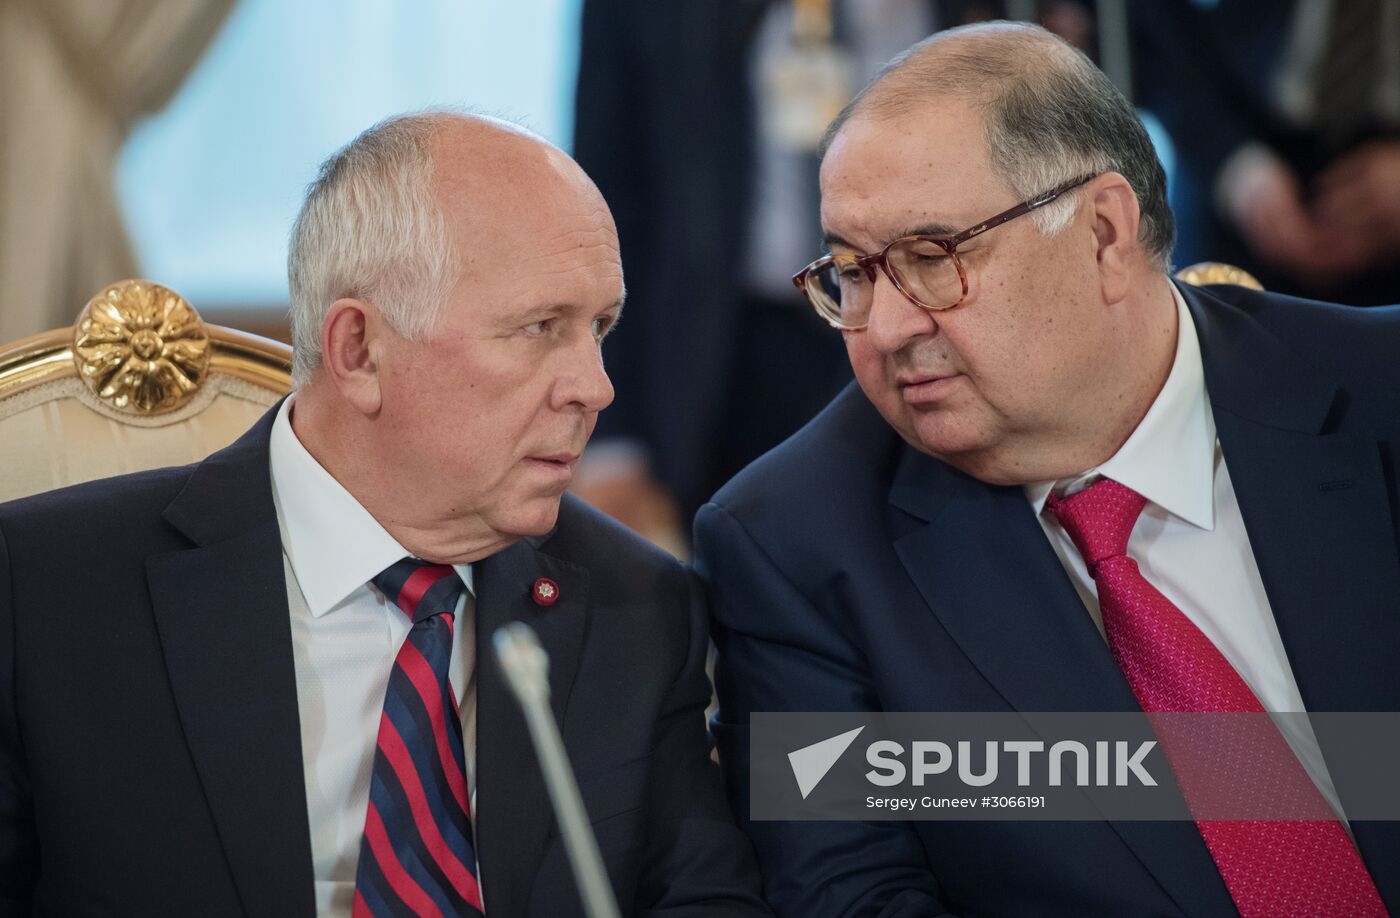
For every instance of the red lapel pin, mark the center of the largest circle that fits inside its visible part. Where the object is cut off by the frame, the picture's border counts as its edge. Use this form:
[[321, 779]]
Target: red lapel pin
[[545, 592]]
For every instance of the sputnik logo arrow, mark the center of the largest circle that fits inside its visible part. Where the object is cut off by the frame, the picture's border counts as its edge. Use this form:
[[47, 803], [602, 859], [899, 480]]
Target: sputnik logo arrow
[[811, 763]]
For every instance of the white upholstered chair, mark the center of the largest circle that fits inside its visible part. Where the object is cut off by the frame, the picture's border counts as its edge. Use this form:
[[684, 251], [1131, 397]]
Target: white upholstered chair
[[139, 381]]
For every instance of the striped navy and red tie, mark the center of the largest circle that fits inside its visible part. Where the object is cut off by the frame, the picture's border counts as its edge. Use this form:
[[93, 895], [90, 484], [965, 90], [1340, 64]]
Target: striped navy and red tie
[[416, 857]]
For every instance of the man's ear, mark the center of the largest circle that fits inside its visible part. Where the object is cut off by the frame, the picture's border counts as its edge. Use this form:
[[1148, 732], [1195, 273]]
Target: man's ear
[[1115, 214], [350, 349]]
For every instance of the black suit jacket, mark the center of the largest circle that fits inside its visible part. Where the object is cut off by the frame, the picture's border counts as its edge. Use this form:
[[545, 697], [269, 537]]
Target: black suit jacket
[[150, 745], [852, 572]]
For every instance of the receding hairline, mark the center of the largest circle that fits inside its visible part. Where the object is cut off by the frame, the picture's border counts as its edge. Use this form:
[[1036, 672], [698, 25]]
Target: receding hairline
[[479, 127], [1046, 112], [972, 63], [468, 145]]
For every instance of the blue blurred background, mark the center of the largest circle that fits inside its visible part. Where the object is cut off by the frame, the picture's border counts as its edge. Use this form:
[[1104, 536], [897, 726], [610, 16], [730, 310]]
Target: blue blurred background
[[209, 186]]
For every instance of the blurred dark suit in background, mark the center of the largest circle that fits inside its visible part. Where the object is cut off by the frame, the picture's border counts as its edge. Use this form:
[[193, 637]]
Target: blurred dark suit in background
[[718, 358], [1286, 121]]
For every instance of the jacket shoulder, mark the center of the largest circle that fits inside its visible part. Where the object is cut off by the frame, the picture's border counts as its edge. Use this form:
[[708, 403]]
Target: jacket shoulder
[[1350, 348], [100, 504], [846, 450], [85, 547], [827, 483], [1355, 344]]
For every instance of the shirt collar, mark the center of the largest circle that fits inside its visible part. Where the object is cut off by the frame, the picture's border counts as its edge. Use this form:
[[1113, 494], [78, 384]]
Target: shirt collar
[[1170, 458], [333, 544]]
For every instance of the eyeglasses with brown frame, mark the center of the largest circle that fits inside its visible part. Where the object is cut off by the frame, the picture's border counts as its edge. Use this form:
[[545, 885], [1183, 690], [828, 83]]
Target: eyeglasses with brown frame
[[926, 269]]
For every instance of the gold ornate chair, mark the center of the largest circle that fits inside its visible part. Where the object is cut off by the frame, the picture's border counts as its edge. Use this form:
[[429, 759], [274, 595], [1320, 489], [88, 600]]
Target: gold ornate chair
[[139, 381], [1217, 272]]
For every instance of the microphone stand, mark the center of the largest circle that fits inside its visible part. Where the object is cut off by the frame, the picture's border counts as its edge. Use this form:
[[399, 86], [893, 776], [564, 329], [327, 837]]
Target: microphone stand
[[526, 668]]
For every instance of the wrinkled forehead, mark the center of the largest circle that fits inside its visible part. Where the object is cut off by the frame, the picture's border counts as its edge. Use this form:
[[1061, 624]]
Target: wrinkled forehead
[[919, 170]]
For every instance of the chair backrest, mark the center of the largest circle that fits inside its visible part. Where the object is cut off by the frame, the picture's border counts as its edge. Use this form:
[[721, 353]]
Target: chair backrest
[[138, 382], [1217, 272]]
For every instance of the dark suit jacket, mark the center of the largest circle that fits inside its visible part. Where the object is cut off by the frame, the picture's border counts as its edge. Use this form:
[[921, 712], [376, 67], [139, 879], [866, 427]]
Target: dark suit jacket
[[150, 747], [851, 572]]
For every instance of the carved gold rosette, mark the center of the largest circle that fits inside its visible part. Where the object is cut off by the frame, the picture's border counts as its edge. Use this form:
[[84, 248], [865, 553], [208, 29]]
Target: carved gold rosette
[[141, 348]]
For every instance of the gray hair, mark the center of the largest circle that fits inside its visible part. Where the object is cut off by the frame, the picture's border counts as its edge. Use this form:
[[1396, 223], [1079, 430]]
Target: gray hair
[[1049, 115], [371, 229]]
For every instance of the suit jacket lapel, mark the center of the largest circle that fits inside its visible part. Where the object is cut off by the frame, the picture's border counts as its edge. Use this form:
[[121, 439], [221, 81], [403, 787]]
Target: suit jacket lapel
[[514, 817], [1311, 484], [221, 611], [1312, 489], [1009, 626], [1029, 634]]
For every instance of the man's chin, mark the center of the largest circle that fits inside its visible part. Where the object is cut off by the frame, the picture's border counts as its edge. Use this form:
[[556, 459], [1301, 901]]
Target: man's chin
[[968, 450], [943, 435], [537, 518]]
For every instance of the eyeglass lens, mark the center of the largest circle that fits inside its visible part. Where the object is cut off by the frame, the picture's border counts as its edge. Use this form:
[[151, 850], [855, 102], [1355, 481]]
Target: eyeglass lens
[[925, 271]]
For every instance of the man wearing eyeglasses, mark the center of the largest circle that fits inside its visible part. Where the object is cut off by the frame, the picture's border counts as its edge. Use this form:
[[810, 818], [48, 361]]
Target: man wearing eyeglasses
[[936, 539]]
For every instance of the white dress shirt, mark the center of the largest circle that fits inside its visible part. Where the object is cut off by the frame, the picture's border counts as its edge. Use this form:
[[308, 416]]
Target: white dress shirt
[[345, 636], [1190, 541]]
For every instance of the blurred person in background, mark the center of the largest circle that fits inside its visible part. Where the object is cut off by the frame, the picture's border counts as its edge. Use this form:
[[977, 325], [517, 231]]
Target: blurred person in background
[[699, 120], [1285, 117]]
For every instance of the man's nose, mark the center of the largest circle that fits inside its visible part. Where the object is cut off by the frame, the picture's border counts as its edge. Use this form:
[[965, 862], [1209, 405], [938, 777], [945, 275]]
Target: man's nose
[[895, 320], [584, 383]]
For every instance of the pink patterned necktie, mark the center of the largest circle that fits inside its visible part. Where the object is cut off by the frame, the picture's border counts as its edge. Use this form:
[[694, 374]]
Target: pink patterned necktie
[[1272, 868]]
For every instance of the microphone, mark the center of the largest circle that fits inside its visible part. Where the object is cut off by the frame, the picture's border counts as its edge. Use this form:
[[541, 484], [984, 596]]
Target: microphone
[[526, 668]]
